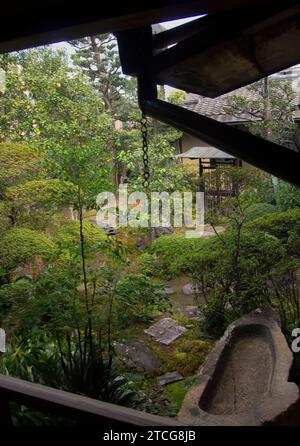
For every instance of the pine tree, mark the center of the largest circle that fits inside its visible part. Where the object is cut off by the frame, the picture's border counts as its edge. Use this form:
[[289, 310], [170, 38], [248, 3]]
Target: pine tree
[[98, 57]]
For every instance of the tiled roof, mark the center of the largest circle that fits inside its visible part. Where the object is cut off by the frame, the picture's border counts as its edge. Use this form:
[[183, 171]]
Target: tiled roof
[[208, 152], [216, 108]]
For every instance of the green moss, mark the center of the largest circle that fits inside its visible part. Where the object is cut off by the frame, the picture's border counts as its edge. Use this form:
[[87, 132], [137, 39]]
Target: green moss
[[176, 393], [185, 355]]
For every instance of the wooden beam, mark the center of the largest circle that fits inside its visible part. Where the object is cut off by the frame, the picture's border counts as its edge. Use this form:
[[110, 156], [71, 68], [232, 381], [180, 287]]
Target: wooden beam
[[273, 158], [232, 50], [32, 23], [85, 410], [176, 34]]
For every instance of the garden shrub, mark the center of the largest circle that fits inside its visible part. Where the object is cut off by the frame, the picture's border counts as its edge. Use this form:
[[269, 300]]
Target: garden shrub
[[68, 237], [43, 192], [18, 163], [14, 293], [232, 276], [280, 224], [287, 196], [147, 264], [174, 254], [259, 210], [138, 299], [19, 246]]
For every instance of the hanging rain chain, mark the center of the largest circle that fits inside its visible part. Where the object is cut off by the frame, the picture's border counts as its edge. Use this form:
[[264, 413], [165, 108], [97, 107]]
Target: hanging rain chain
[[144, 131]]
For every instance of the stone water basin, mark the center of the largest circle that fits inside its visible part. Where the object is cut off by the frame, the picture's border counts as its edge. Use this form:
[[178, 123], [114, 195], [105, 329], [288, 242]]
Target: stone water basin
[[245, 378]]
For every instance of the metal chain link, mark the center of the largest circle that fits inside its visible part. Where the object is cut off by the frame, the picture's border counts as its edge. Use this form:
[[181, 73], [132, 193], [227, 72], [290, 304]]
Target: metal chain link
[[145, 148]]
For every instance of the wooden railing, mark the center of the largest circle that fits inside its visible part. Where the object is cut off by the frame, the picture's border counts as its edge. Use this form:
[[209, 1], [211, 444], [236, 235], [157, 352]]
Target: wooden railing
[[86, 411]]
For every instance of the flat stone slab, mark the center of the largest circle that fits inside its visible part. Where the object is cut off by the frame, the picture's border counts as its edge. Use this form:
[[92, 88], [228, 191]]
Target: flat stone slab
[[169, 377], [189, 288], [191, 312], [135, 355], [165, 331], [169, 290]]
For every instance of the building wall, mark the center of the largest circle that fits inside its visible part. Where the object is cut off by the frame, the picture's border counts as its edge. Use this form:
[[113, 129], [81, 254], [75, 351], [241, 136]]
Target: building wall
[[187, 143]]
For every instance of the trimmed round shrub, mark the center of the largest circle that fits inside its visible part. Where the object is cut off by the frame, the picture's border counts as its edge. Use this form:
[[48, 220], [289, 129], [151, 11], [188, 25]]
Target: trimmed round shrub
[[19, 246]]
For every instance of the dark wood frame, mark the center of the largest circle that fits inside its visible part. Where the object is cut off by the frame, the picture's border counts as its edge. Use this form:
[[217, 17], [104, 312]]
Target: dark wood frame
[[86, 411]]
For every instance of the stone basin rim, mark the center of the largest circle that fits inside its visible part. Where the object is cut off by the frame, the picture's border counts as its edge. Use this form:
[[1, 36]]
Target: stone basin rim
[[281, 395]]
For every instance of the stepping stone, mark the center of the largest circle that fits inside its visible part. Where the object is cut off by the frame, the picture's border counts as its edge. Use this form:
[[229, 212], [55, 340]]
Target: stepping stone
[[191, 312], [165, 331], [109, 230], [163, 230], [168, 378], [135, 355], [169, 290], [189, 289], [160, 327], [208, 234]]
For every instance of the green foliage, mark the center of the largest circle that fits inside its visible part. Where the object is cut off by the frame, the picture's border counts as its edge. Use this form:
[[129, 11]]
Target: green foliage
[[73, 329], [60, 115], [46, 193], [271, 105], [287, 196], [231, 270], [137, 299], [20, 246], [186, 355], [167, 173], [18, 163], [12, 294], [259, 210], [176, 392], [35, 201], [98, 57], [280, 224], [255, 266], [250, 187], [37, 360], [172, 255], [64, 298], [68, 236], [215, 316], [191, 355], [4, 220]]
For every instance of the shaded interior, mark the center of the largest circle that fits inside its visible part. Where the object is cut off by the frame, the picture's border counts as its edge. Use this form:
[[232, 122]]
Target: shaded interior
[[244, 372]]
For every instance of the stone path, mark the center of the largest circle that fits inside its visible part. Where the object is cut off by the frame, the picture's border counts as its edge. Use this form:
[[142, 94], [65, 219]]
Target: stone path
[[191, 312], [165, 331], [189, 289], [135, 355], [169, 377], [169, 290]]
